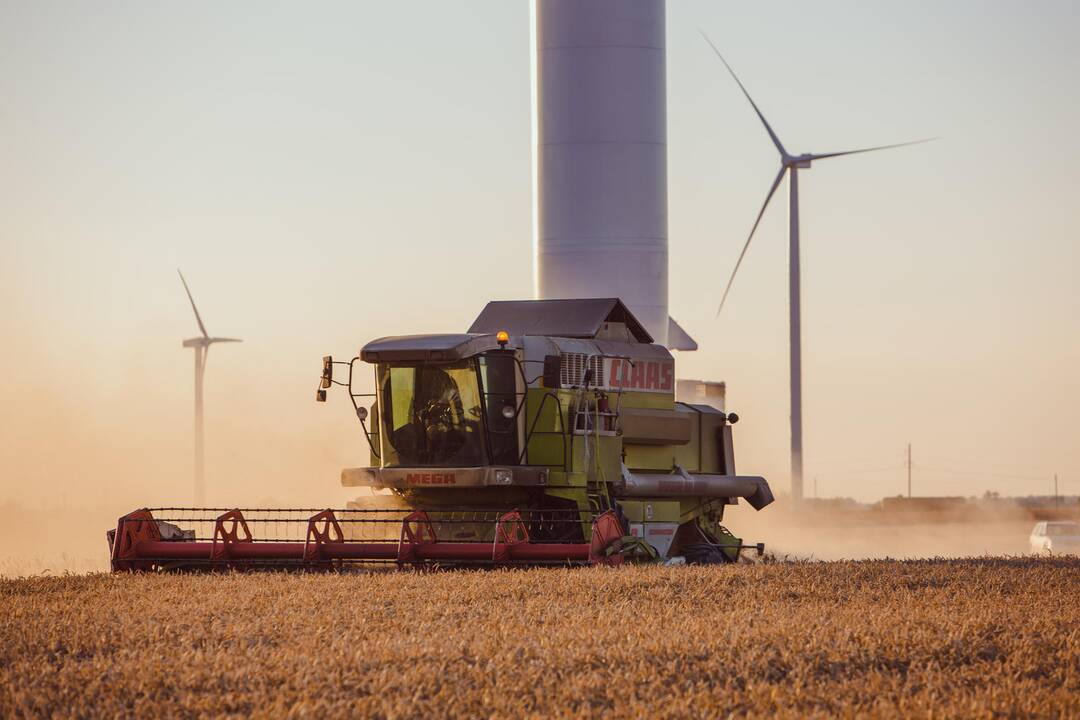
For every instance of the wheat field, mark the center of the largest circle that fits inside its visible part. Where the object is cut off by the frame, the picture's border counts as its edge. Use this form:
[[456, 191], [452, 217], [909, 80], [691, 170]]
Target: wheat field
[[970, 638]]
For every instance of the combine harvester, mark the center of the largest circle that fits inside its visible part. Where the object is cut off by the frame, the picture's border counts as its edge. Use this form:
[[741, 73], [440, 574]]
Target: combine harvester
[[547, 434]]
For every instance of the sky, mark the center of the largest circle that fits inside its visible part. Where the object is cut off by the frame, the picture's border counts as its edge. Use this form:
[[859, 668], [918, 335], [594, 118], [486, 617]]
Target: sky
[[330, 172]]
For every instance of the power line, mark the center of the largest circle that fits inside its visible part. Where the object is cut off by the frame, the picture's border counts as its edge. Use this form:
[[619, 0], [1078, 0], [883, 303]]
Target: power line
[[983, 473], [906, 465], [869, 471]]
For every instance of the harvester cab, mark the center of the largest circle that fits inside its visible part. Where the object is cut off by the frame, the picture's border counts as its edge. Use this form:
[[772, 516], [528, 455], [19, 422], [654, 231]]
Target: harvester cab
[[548, 433]]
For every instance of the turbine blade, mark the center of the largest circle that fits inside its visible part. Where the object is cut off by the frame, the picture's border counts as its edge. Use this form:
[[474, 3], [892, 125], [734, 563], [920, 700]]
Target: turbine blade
[[772, 191], [198, 318], [768, 128], [217, 339], [870, 149]]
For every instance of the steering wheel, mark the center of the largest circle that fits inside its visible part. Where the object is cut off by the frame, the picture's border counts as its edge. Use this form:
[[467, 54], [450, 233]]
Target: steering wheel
[[436, 412]]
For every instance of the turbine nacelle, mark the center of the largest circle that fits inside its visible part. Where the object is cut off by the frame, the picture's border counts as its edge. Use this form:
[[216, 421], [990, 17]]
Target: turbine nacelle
[[207, 341], [801, 162]]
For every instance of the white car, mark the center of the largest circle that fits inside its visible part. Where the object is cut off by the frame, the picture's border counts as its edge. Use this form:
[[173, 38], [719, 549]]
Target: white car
[[1057, 538]]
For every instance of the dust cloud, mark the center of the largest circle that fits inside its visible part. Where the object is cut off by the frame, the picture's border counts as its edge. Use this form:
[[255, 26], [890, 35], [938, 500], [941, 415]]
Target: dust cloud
[[77, 455], [864, 532]]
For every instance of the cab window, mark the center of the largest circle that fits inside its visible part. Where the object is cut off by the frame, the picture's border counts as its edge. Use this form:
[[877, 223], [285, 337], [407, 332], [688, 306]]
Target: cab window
[[432, 414]]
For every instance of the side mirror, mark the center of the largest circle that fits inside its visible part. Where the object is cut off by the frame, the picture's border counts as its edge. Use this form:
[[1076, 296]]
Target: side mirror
[[327, 372], [320, 395]]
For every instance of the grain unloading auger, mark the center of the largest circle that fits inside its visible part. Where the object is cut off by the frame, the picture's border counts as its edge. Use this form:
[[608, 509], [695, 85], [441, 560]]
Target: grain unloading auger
[[547, 434]]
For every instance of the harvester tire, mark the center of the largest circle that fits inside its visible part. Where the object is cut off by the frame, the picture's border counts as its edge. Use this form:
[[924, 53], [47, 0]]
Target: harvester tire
[[633, 549]]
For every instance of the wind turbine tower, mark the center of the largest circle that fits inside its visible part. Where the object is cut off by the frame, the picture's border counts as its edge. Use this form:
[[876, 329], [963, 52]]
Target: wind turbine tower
[[599, 101], [201, 346], [790, 165]]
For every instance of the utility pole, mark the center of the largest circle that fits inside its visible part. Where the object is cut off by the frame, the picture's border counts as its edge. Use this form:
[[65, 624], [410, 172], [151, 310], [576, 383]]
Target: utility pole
[[815, 487], [909, 471], [1055, 486]]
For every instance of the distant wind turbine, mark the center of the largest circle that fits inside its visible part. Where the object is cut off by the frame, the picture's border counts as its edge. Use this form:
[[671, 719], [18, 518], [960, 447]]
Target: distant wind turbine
[[201, 345], [790, 164]]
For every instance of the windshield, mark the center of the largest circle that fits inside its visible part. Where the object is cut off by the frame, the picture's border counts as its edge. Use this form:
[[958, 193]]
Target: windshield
[[431, 414]]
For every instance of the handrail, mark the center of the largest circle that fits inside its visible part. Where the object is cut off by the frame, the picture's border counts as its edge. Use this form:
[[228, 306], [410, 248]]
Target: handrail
[[356, 408]]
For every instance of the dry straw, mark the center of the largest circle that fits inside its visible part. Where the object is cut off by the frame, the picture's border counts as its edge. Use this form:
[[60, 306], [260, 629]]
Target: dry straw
[[971, 638]]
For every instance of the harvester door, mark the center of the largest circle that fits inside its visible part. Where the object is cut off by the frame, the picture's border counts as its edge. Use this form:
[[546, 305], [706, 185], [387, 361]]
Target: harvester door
[[503, 392]]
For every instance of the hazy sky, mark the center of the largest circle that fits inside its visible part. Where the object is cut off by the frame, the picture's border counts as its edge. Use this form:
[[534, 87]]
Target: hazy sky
[[326, 173]]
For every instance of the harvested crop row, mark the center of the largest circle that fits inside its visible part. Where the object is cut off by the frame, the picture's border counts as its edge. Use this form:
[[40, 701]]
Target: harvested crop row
[[971, 638]]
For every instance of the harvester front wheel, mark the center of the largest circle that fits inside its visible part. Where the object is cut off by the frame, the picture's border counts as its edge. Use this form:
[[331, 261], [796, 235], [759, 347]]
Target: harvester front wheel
[[701, 546]]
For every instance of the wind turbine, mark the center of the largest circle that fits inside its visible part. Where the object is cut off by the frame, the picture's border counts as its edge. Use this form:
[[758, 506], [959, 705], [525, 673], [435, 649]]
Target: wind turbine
[[201, 345], [789, 164]]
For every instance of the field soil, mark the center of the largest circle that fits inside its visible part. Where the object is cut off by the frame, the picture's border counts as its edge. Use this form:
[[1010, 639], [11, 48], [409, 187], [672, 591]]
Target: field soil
[[967, 638]]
